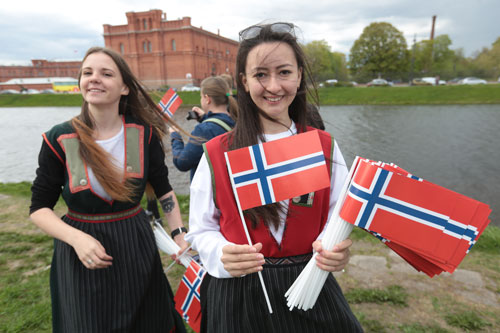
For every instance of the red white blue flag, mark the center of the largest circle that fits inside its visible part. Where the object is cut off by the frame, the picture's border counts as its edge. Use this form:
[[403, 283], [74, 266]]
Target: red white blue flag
[[169, 103], [278, 170], [187, 297], [414, 217]]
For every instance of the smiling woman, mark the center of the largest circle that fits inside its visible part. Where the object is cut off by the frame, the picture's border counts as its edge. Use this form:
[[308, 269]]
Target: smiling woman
[[104, 249], [272, 88]]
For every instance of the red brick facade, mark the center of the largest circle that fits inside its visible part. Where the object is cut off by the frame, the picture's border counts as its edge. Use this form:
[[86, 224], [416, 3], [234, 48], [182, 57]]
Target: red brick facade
[[41, 69], [173, 53]]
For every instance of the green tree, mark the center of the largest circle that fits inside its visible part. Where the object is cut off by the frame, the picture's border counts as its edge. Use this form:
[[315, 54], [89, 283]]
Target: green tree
[[435, 57], [380, 50], [487, 62], [324, 63]]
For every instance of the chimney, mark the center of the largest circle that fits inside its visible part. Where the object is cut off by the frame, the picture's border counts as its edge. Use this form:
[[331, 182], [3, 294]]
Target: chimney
[[433, 25]]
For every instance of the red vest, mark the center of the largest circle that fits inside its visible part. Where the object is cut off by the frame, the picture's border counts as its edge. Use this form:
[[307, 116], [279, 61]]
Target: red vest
[[305, 219]]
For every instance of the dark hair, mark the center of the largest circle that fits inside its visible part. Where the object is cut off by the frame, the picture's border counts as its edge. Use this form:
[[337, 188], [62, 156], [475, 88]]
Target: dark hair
[[137, 103], [248, 128]]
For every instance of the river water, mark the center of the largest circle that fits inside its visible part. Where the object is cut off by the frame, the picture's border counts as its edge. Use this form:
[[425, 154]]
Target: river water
[[452, 146]]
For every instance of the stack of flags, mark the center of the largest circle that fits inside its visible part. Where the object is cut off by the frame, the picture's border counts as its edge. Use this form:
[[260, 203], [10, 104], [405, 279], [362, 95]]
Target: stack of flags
[[429, 226]]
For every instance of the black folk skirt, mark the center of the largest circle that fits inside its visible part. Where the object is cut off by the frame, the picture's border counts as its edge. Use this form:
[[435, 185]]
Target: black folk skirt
[[239, 305], [132, 295]]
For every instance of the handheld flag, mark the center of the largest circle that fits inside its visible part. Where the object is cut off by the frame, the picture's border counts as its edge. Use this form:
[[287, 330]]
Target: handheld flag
[[169, 103], [278, 170], [187, 297], [275, 171]]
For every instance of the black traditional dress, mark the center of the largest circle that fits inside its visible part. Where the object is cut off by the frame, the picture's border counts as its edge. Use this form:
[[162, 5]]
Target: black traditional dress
[[132, 295]]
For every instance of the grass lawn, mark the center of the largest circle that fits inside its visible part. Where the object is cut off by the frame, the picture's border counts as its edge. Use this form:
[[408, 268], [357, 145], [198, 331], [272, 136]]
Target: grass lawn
[[418, 95], [26, 253]]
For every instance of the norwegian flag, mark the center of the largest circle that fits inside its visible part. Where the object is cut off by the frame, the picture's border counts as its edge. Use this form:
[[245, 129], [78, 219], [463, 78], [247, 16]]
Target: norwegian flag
[[169, 103], [187, 297], [278, 170], [431, 227]]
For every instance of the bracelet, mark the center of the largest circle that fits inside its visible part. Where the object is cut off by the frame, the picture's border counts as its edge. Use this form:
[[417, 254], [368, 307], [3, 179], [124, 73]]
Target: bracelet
[[177, 231]]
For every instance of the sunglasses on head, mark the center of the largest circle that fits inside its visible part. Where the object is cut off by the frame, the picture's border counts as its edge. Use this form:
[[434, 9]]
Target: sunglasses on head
[[254, 30]]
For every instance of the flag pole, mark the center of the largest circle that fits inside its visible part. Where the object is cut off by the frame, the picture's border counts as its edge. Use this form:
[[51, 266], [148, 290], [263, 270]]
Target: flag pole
[[246, 230]]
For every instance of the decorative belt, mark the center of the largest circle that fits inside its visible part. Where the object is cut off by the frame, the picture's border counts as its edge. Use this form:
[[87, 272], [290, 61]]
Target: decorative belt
[[102, 218], [288, 260]]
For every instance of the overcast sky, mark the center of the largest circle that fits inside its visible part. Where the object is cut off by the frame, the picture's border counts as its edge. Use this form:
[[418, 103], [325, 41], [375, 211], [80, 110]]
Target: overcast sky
[[64, 30]]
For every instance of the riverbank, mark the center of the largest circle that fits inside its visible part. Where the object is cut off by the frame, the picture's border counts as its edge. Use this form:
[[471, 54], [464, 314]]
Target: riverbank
[[420, 95], [385, 293]]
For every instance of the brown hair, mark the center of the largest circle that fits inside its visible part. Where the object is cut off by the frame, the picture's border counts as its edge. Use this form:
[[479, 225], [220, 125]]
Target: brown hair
[[218, 90], [137, 103], [248, 128], [229, 81]]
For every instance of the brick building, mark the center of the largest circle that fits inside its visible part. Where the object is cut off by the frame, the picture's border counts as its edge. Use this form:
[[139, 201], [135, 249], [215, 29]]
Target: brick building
[[173, 53], [39, 69]]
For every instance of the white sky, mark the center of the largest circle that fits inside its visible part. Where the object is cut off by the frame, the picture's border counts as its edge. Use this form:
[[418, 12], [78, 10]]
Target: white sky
[[57, 29]]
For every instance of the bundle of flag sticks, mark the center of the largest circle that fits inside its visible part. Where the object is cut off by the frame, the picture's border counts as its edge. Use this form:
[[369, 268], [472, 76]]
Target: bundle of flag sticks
[[300, 296], [167, 245]]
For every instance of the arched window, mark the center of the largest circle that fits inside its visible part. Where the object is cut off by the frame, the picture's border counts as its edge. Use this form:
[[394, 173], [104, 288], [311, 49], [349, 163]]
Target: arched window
[[122, 48], [145, 24], [145, 47], [214, 69], [174, 47], [150, 47]]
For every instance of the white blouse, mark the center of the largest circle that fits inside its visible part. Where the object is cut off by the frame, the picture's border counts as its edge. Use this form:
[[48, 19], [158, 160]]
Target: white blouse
[[115, 146], [204, 230]]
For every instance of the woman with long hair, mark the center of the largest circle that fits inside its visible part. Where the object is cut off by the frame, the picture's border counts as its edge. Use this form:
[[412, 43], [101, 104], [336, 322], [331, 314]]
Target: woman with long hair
[[215, 118], [272, 90], [106, 272]]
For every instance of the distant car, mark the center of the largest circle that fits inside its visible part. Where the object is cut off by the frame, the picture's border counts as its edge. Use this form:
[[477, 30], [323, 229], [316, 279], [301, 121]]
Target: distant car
[[190, 87], [455, 80], [47, 91], [429, 81], [9, 92], [421, 82], [472, 80], [378, 82], [30, 91]]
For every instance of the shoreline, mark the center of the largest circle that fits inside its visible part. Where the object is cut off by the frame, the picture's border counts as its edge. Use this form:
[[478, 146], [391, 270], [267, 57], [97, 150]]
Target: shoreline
[[405, 95]]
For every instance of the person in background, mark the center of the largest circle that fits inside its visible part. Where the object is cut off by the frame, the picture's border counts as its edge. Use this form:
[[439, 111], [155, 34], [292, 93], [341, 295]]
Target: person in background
[[106, 273], [214, 116], [229, 81], [272, 85]]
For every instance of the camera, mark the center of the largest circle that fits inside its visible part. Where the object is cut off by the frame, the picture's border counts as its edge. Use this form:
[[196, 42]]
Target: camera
[[192, 115]]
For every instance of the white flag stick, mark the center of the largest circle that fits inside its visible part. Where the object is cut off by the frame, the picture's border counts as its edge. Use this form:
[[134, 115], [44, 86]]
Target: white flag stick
[[167, 245], [246, 229], [336, 231]]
